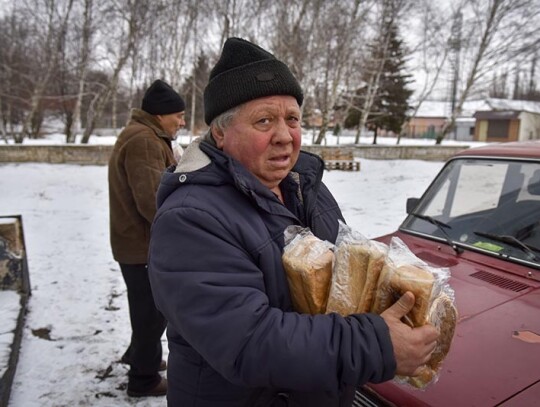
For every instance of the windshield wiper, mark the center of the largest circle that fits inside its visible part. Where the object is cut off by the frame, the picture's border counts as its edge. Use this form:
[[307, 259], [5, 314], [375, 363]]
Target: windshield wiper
[[512, 241], [441, 226], [526, 231]]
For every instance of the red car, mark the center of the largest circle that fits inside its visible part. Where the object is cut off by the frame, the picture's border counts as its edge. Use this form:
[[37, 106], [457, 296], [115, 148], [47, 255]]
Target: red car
[[480, 218]]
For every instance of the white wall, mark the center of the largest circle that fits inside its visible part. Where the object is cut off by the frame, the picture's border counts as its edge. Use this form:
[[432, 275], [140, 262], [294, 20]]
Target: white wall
[[529, 128]]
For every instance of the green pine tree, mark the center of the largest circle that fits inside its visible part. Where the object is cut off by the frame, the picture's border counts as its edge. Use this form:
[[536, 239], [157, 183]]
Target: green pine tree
[[391, 101], [389, 111]]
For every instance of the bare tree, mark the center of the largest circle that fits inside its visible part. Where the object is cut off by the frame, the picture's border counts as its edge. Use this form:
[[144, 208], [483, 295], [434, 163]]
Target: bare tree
[[431, 50], [87, 31], [294, 29], [172, 37], [13, 35], [338, 29], [57, 17], [133, 14], [93, 57], [492, 36]]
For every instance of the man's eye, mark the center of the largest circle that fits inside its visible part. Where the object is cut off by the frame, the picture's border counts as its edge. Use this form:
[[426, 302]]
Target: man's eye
[[294, 120], [264, 120]]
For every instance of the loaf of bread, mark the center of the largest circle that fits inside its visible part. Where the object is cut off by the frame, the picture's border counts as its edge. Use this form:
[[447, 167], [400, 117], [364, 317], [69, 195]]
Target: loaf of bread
[[395, 281], [308, 263], [356, 272], [348, 280], [424, 377], [375, 266], [442, 315]]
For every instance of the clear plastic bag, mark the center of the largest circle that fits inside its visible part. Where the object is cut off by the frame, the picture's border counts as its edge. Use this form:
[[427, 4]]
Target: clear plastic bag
[[434, 302], [358, 262], [360, 275], [308, 262]]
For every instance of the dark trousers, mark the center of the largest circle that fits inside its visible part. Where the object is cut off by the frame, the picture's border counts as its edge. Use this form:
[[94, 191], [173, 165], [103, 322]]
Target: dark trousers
[[147, 326]]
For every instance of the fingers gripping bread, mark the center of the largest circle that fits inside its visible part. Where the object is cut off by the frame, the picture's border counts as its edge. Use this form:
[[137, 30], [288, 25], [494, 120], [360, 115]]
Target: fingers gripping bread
[[395, 281], [442, 315]]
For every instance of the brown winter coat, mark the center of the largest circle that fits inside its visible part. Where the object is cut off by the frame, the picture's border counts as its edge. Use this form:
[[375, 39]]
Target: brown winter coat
[[140, 155]]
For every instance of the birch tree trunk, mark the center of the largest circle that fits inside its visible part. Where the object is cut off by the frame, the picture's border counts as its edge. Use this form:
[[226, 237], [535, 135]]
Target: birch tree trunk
[[137, 12], [83, 69], [55, 36]]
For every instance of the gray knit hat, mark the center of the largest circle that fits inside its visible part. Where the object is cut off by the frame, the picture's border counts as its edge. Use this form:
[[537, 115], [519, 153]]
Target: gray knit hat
[[245, 72]]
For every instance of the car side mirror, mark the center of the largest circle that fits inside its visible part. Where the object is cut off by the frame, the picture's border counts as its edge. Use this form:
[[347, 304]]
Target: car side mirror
[[411, 204]]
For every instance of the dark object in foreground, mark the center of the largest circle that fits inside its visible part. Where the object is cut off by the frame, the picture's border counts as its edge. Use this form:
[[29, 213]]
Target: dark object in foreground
[[13, 277]]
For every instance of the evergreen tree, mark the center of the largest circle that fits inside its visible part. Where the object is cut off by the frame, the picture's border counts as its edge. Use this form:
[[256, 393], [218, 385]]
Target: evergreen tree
[[391, 101], [391, 104]]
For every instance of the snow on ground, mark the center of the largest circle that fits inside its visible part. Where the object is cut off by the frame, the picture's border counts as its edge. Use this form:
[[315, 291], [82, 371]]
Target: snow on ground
[[77, 326], [346, 138]]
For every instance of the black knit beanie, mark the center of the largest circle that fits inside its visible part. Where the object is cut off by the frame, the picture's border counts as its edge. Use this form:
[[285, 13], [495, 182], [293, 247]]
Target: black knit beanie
[[160, 98], [245, 72]]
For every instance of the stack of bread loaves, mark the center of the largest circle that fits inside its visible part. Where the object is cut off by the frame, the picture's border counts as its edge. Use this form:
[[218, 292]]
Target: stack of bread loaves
[[359, 275]]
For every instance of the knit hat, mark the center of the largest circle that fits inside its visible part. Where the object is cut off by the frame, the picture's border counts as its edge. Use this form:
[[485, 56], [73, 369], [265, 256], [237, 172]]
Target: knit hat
[[245, 72], [160, 98]]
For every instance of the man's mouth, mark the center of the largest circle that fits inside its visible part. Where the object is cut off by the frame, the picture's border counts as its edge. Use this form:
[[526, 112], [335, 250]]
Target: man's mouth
[[280, 159]]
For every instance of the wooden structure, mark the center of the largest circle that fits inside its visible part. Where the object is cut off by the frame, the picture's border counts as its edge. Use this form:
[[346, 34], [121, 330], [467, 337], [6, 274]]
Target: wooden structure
[[14, 290], [339, 159]]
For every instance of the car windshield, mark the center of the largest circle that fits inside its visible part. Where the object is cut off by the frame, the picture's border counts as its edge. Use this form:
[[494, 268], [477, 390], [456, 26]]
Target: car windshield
[[488, 205]]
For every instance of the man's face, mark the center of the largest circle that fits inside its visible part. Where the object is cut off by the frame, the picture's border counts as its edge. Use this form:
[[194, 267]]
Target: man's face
[[265, 136], [171, 123]]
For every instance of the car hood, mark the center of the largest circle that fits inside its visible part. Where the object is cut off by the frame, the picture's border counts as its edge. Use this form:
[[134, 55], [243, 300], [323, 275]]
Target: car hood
[[495, 353]]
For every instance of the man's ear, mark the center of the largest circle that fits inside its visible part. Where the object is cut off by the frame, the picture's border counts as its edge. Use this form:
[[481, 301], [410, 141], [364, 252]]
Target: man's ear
[[218, 135]]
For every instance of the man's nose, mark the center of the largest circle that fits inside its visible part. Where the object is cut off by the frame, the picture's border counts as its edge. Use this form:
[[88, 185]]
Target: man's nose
[[282, 133]]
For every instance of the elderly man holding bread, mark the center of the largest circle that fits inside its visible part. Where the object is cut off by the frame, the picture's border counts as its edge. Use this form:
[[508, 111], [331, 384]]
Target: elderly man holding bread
[[215, 260]]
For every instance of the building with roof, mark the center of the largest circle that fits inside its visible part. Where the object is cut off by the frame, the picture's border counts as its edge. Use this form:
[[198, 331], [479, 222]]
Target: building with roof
[[481, 120], [508, 120]]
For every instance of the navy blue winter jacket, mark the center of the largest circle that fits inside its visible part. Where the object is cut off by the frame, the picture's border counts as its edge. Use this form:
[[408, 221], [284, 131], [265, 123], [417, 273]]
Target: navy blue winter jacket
[[217, 276]]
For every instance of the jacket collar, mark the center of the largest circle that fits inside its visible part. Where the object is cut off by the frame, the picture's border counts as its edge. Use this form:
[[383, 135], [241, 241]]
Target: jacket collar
[[203, 152], [149, 120]]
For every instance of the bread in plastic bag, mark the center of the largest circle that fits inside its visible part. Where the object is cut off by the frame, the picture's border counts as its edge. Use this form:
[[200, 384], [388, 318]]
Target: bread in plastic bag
[[358, 262], [434, 302], [394, 281], [360, 275], [308, 263]]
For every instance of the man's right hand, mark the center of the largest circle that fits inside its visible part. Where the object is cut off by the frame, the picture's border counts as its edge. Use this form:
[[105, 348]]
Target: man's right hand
[[412, 346]]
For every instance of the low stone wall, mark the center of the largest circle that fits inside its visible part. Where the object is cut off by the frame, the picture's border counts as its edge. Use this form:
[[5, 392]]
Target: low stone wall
[[386, 152], [99, 154], [57, 154]]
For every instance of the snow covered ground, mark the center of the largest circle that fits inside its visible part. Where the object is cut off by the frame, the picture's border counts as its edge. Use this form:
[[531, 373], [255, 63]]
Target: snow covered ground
[[347, 137], [78, 324]]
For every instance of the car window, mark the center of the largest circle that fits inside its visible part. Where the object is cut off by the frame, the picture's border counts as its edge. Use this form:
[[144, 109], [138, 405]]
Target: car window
[[479, 188], [480, 200]]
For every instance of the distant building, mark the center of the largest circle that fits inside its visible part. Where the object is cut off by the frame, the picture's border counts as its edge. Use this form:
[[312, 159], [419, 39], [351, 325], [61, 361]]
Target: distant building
[[508, 120], [433, 115], [481, 120]]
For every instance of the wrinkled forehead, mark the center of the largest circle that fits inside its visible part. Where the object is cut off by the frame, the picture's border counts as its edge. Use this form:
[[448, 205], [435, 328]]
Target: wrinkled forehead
[[278, 103]]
